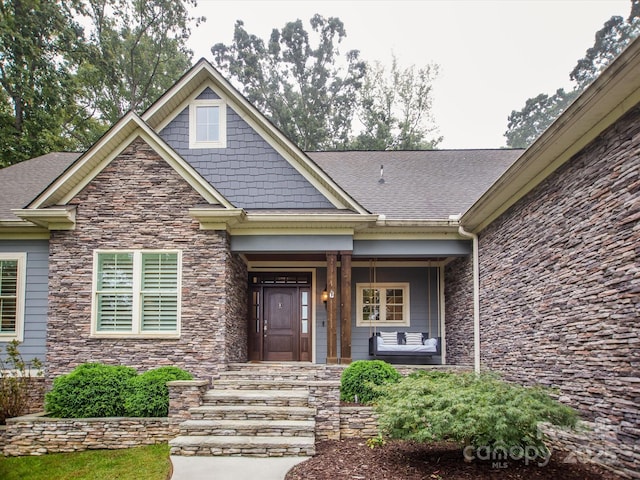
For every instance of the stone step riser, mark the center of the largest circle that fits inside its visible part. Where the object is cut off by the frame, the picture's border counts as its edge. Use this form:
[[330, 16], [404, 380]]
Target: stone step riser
[[243, 445], [262, 432], [265, 376], [247, 451], [261, 402], [248, 428], [259, 384], [248, 416]]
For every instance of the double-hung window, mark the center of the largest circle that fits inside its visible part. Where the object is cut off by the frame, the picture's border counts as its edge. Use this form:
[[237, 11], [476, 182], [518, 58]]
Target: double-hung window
[[207, 124], [137, 292], [382, 304], [12, 295]]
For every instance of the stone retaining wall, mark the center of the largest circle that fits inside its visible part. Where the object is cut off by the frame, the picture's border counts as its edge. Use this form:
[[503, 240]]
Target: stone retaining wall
[[38, 435], [358, 422], [591, 443], [185, 394]]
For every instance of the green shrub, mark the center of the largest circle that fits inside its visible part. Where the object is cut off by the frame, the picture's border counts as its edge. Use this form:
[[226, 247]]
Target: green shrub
[[477, 410], [91, 390], [148, 395], [359, 380]]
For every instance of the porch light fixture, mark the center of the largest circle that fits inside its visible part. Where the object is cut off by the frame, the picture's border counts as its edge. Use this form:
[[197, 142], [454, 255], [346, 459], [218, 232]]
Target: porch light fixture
[[324, 296]]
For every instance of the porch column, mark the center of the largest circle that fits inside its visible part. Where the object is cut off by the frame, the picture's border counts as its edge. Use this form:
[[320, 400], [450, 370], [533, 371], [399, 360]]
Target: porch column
[[332, 308], [345, 307]]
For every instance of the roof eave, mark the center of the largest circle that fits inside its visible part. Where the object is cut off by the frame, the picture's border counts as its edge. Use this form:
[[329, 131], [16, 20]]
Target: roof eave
[[63, 218], [21, 229], [608, 98], [238, 221]]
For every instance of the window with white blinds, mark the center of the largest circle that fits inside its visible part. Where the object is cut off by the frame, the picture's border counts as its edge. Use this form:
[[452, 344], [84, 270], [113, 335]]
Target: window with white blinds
[[12, 271], [137, 292], [159, 291]]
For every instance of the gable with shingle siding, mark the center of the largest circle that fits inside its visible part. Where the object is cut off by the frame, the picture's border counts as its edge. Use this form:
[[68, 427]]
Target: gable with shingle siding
[[248, 172]]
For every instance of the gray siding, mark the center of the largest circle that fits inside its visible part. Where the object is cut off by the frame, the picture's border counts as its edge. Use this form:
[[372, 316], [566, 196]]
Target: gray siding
[[290, 243], [411, 248], [417, 277], [321, 318], [249, 172], [419, 280], [36, 294]]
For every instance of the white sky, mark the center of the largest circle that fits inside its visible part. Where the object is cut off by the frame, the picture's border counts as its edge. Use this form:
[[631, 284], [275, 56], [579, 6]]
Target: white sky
[[493, 54]]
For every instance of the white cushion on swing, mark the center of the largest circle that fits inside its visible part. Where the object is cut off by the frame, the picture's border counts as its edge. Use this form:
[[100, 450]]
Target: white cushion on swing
[[389, 338], [413, 338]]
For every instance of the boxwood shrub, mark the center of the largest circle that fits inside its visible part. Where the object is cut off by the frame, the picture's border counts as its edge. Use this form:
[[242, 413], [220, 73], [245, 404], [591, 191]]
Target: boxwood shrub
[[148, 395], [359, 380], [98, 390], [91, 390]]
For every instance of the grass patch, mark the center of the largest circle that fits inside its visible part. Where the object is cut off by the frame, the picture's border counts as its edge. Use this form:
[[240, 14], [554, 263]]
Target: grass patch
[[140, 463]]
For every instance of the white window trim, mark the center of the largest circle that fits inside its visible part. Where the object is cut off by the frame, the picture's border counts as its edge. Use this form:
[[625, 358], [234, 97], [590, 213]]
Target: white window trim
[[136, 327], [222, 117], [405, 322], [21, 258]]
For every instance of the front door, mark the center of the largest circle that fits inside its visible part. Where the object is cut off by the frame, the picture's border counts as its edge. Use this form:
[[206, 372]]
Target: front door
[[281, 324], [279, 327]]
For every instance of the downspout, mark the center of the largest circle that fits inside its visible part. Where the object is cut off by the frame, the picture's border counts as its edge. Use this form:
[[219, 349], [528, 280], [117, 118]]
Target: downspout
[[476, 297]]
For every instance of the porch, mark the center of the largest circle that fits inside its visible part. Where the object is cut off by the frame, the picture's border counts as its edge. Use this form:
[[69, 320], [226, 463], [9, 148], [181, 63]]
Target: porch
[[333, 302]]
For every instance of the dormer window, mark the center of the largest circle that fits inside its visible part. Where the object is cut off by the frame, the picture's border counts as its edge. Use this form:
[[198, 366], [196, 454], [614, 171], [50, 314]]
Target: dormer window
[[208, 124]]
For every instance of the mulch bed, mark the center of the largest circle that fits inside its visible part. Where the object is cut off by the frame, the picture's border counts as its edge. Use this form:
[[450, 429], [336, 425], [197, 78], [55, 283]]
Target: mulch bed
[[399, 460]]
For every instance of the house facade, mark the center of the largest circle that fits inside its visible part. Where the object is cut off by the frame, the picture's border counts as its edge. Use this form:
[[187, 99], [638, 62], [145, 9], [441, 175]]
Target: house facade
[[197, 235]]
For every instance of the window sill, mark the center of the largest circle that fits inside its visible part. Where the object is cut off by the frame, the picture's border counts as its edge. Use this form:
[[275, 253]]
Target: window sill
[[366, 323], [136, 336]]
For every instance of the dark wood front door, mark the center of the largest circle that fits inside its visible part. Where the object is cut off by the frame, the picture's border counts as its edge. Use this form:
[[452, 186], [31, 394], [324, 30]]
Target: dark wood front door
[[281, 324], [280, 318]]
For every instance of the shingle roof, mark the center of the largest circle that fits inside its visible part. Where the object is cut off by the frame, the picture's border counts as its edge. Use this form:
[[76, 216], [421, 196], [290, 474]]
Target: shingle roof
[[428, 184], [21, 183]]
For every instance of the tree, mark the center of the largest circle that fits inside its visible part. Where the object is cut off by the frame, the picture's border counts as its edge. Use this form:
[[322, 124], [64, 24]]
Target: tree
[[300, 87], [395, 108], [39, 47], [538, 113], [609, 42], [137, 50]]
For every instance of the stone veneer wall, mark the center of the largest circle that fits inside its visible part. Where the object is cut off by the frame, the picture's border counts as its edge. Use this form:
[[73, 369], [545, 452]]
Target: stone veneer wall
[[236, 308], [560, 287], [38, 435], [458, 293], [358, 422], [139, 202]]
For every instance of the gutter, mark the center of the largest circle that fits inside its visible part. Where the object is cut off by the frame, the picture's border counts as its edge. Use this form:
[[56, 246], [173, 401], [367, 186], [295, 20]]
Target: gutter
[[476, 297]]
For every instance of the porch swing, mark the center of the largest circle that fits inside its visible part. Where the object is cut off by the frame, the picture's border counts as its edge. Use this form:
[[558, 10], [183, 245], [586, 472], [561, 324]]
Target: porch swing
[[400, 346]]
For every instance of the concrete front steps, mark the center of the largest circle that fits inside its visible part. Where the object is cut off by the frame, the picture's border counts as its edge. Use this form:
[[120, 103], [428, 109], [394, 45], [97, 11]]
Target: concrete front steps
[[252, 410]]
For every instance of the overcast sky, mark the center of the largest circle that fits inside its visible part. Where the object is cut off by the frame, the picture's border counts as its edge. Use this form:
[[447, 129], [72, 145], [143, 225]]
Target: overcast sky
[[493, 54]]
